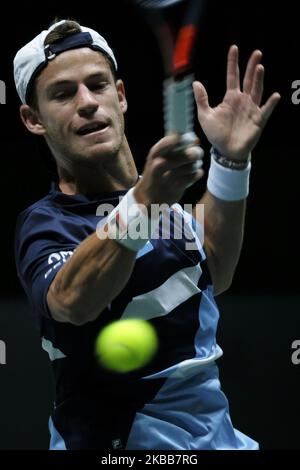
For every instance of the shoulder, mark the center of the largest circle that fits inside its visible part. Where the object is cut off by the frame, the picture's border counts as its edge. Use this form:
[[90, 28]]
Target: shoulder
[[38, 214]]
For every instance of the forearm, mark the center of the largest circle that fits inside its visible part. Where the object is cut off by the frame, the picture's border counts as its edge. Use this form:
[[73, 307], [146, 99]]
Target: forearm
[[95, 274], [233, 128], [223, 237]]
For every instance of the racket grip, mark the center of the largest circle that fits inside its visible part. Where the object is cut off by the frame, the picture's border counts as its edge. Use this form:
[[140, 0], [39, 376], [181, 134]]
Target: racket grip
[[179, 106]]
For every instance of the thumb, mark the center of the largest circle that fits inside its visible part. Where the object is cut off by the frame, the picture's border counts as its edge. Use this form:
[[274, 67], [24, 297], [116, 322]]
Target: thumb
[[201, 98]]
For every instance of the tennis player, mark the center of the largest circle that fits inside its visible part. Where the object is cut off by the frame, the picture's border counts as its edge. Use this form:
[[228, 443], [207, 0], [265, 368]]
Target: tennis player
[[82, 265]]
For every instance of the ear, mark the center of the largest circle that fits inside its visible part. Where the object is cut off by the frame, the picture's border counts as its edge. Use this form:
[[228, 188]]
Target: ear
[[31, 120], [121, 94]]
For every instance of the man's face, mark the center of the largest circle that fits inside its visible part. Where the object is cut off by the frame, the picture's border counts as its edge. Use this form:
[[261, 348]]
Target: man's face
[[81, 107]]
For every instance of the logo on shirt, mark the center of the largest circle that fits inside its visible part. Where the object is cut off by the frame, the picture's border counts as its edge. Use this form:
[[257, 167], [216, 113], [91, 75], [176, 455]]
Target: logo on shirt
[[57, 259], [116, 444]]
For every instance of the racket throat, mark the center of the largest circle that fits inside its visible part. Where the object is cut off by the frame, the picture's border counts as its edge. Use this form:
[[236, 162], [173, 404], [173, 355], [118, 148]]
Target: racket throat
[[179, 105], [183, 49]]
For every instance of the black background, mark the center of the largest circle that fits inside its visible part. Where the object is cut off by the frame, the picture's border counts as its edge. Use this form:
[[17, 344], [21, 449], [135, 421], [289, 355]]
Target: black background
[[261, 311]]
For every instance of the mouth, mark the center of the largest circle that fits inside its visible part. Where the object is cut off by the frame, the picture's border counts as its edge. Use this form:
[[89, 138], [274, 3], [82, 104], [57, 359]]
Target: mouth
[[92, 128]]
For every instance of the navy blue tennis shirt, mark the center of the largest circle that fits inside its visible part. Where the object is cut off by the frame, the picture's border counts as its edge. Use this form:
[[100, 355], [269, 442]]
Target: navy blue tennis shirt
[[174, 402]]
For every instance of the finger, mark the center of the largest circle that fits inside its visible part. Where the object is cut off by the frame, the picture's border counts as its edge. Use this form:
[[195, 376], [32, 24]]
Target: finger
[[182, 156], [171, 161], [196, 152], [190, 168], [173, 144], [187, 140], [195, 162], [196, 177], [184, 171], [254, 60], [164, 145], [201, 98], [258, 84], [233, 73], [181, 179], [269, 106], [189, 179]]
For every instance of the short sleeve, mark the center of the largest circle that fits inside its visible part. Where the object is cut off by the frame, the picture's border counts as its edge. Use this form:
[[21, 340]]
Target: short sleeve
[[43, 243]]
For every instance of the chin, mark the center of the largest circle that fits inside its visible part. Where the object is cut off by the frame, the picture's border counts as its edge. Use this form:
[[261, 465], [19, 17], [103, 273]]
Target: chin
[[101, 152]]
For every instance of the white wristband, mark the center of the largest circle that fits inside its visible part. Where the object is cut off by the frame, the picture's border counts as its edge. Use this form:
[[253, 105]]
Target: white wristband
[[129, 224], [228, 184]]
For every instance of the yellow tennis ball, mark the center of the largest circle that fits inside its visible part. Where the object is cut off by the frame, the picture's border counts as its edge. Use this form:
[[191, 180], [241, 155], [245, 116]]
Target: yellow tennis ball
[[126, 345]]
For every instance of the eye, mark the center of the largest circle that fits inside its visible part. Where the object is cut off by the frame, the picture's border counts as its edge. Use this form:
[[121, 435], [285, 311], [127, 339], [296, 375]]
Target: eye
[[98, 86], [61, 95]]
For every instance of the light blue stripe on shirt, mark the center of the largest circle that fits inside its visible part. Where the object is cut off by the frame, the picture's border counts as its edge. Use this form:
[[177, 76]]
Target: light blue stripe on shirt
[[56, 441], [188, 414]]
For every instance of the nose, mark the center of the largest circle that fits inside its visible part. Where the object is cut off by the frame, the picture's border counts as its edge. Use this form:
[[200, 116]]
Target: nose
[[87, 103]]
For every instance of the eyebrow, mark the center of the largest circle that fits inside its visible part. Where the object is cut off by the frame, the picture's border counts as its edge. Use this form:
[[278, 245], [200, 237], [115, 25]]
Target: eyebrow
[[60, 83]]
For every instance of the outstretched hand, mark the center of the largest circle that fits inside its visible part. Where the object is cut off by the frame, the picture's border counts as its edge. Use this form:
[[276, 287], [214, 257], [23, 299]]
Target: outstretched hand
[[235, 125]]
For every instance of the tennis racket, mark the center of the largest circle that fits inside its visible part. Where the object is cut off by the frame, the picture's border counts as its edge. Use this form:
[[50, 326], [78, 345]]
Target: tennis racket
[[177, 54]]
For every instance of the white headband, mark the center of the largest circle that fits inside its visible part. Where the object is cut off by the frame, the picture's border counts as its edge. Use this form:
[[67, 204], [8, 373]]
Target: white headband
[[34, 56]]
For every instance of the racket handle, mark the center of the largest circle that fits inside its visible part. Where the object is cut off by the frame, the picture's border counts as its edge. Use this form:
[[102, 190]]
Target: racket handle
[[179, 106]]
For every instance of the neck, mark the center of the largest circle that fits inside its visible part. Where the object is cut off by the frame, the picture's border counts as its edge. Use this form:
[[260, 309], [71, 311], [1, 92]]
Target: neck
[[102, 177]]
